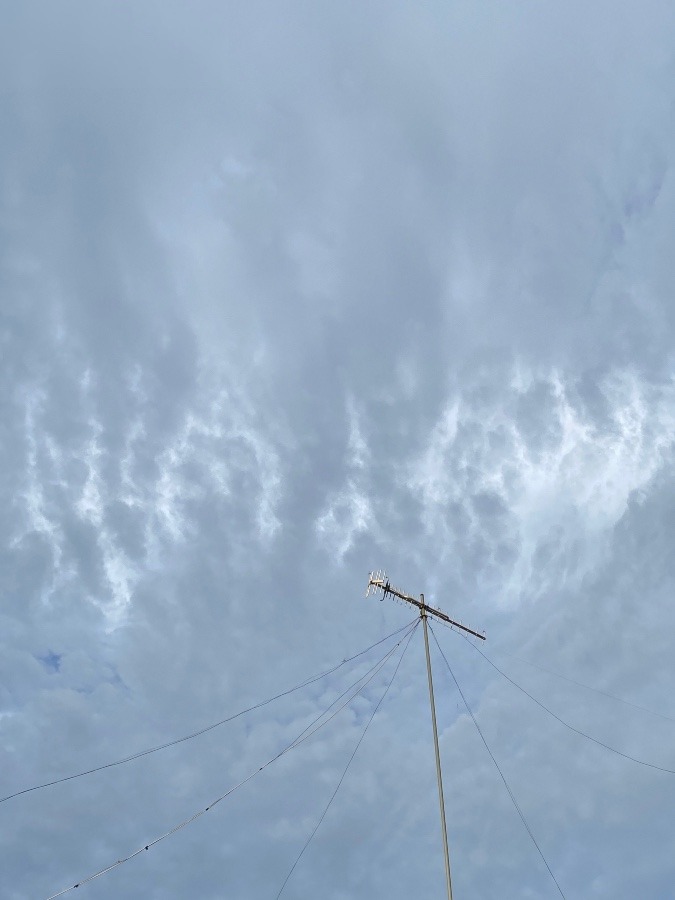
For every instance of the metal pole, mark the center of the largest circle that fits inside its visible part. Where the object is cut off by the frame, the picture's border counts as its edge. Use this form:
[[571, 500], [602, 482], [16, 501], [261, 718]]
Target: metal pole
[[441, 801], [379, 582]]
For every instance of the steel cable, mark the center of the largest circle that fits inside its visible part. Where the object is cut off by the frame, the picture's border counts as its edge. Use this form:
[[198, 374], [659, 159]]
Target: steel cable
[[501, 774], [349, 762], [194, 734], [301, 738]]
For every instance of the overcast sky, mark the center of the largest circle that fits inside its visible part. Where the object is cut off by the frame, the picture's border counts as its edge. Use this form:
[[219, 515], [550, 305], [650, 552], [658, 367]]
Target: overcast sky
[[291, 291]]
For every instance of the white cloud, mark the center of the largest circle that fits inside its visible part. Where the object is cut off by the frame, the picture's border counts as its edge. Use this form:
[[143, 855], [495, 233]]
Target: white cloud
[[535, 472]]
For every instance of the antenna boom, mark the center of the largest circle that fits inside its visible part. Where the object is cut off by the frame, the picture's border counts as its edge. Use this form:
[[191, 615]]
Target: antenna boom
[[378, 581]]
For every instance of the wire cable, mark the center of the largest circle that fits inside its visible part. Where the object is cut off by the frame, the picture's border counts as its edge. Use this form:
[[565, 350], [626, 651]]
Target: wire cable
[[588, 687], [581, 684], [501, 774], [302, 737], [306, 733], [346, 769], [194, 734], [640, 762]]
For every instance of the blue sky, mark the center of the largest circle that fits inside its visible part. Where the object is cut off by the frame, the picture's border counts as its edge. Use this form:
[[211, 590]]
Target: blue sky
[[291, 292]]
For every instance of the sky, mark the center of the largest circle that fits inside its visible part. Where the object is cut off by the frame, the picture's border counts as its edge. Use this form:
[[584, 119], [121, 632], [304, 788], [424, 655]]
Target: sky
[[290, 292]]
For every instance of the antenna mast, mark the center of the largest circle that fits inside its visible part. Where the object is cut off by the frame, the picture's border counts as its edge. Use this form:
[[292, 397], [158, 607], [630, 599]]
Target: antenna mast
[[378, 581]]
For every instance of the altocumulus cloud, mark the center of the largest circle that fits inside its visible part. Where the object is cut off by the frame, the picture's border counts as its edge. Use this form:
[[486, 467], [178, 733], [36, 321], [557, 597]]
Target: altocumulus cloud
[[292, 292]]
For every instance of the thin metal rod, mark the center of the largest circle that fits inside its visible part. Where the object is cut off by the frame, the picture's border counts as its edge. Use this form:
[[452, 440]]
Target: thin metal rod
[[441, 801]]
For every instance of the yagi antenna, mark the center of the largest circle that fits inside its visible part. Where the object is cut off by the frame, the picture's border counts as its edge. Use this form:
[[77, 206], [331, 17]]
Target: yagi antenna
[[378, 582]]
